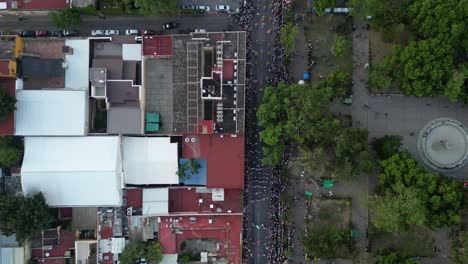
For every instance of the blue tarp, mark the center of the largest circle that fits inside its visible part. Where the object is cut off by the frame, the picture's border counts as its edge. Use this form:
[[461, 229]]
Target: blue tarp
[[195, 179], [306, 76]]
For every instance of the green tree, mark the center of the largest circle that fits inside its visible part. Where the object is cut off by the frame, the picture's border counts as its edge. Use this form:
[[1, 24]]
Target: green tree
[[7, 103], [10, 151], [442, 19], [340, 82], [380, 77], [385, 14], [460, 247], [352, 150], [150, 251], [66, 18], [387, 146], [444, 196], [391, 256], [187, 169], [396, 212], [457, 85], [24, 216], [157, 7], [288, 37], [320, 5], [341, 47], [271, 116], [326, 242], [424, 66]]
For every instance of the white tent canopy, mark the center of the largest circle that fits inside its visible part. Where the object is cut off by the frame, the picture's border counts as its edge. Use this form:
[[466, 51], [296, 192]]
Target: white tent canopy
[[155, 201], [73, 171], [51, 113], [150, 160]]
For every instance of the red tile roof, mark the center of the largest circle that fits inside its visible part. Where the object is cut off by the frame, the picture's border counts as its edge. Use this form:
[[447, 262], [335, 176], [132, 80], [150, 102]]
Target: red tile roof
[[225, 158], [228, 70], [187, 201], [4, 68], [225, 229], [134, 198], [57, 253], [107, 232], [157, 46], [7, 127], [40, 4]]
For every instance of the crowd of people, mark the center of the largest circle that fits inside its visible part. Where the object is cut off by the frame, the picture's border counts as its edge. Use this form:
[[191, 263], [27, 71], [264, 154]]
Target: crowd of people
[[263, 185]]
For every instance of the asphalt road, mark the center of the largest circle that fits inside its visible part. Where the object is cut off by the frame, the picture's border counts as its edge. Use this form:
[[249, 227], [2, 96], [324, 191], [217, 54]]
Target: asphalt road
[[259, 177], [212, 22]]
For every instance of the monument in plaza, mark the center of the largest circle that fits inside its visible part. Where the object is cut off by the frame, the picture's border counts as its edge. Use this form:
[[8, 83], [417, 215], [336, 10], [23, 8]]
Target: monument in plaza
[[443, 144]]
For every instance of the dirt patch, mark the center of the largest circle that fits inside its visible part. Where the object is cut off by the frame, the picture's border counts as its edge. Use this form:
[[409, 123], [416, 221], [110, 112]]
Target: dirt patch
[[329, 212], [378, 48], [320, 32]]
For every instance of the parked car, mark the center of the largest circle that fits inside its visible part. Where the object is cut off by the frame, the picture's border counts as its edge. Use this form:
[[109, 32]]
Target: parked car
[[42, 33], [223, 8], [57, 33], [187, 7], [170, 25], [111, 32], [144, 32], [203, 8], [28, 34], [97, 33], [70, 33], [132, 32], [200, 30]]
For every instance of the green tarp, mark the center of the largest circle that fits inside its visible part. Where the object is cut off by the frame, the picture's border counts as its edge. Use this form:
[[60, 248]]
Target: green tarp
[[327, 183], [308, 193]]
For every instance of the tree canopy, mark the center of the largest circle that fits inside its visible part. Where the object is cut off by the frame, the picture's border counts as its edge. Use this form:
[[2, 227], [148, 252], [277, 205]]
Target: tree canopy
[[325, 243], [66, 18], [441, 197], [320, 5], [288, 36], [133, 252], [24, 216], [7, 104], [387, 146], [11, 150], [157, 7], [385, 14], [390, 256], [341, 46]]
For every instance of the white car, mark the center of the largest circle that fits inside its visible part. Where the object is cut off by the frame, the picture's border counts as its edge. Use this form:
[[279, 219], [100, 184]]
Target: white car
[[200, 30], [133, 32], [111, 32], [204, 8], [223, 8], [97, 33]]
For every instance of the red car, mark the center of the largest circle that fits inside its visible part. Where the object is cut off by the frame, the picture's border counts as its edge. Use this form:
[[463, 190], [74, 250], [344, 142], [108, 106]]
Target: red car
[[42, 33]]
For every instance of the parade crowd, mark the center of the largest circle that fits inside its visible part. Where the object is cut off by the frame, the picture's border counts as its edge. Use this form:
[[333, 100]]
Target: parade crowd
[[263, 185]]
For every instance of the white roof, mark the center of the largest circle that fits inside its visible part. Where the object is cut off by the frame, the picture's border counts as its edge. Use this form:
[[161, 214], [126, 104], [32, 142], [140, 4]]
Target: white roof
[[150, 160], [131, 52], [3, 5], [73, 171], [13, 255], [169, 259], [51, 113], [118, 245], [155, 201], [77, 71]]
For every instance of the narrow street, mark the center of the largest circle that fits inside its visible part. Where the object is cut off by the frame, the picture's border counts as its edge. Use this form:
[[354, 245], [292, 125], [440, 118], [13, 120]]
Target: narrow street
[[215, 22], [258, 177]]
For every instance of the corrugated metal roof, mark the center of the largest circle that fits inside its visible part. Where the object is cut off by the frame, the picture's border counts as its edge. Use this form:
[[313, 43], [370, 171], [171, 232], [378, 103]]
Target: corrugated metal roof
[[73, 171], [155, 201], [150, 160], [51, 113], [13, 255]]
